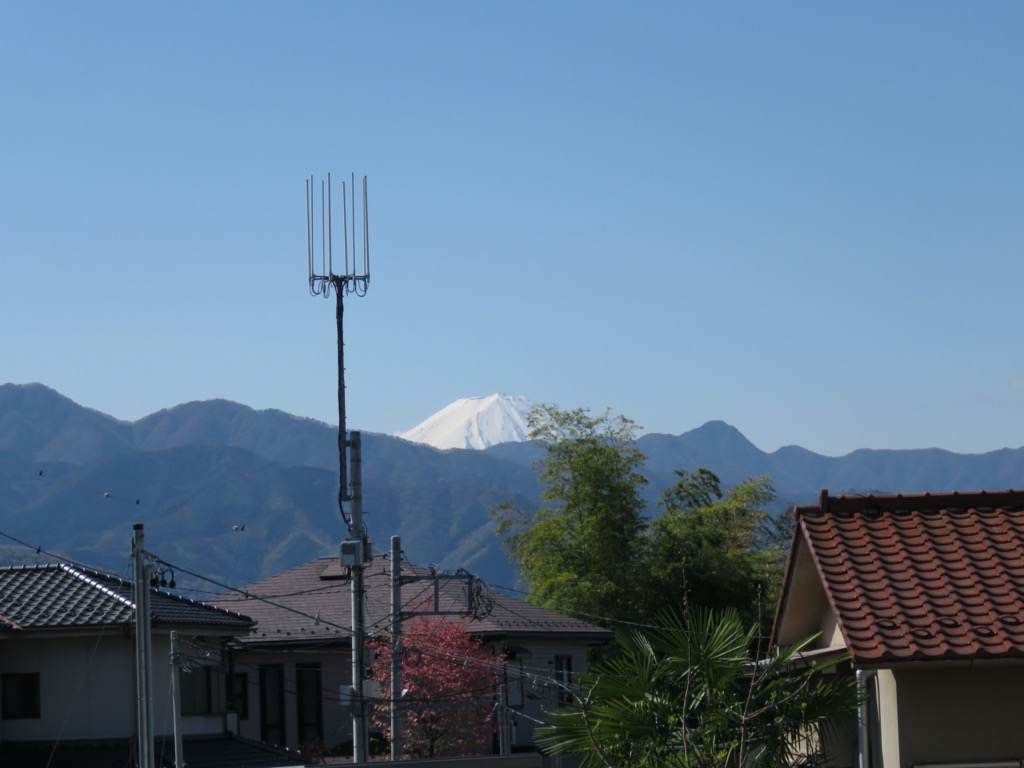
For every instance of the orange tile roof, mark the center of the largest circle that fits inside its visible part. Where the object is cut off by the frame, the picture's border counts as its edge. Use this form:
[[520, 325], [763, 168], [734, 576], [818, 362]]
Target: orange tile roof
[[922, 577]]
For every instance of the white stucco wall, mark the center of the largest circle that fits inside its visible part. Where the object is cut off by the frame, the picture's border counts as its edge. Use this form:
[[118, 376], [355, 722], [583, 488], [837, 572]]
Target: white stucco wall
[[87, 687]]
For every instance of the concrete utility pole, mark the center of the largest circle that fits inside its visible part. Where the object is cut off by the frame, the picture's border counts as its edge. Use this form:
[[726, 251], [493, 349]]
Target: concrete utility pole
[[504, 726], [399, 614], [360, 732], [179, 757], [143, 651], [396, 648]]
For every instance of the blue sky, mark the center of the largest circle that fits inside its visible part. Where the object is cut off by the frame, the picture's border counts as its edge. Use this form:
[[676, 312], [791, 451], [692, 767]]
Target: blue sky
[[801, 218]]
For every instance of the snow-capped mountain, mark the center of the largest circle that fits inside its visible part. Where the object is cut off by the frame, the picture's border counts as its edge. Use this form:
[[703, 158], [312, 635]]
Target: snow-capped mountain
[[474, 422]]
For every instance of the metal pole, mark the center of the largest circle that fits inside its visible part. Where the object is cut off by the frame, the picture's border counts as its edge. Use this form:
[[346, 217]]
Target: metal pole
[[339, 316], [359, 729], [143, 651], [179, 755], [396, 647]]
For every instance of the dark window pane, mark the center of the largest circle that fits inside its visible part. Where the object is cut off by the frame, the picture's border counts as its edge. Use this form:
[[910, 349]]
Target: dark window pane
[[241, 695], [272, 703], [310, 703], [19, 696]]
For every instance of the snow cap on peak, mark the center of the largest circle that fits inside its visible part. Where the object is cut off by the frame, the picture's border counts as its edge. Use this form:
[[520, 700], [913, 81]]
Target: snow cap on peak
[[475, 422]]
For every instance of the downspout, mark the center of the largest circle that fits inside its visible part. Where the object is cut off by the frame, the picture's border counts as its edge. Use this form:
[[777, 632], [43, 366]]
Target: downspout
[[863, 715]]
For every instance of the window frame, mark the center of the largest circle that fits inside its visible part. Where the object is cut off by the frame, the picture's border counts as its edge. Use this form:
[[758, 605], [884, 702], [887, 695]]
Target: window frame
[[203, 691]]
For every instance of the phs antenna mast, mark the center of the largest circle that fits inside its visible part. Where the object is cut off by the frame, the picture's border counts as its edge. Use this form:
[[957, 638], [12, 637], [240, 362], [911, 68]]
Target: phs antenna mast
[[351, 276], [323, 279]]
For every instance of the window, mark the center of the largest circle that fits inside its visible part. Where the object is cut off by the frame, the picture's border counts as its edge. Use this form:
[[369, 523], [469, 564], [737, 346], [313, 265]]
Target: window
[[309, 703], [514, 673], [240, 694], [563, 678], [272, 704], [203, 691], [19, 696]]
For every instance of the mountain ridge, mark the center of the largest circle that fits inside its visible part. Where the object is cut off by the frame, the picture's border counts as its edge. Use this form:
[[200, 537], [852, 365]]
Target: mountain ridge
[[73, 481]]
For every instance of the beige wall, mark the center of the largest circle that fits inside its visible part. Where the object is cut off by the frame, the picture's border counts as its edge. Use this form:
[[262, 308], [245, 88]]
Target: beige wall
[[885, 735], [805, 609], [959, 713]]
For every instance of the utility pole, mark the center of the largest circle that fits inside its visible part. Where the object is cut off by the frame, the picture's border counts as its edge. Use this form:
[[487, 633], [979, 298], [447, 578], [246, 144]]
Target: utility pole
[[143, 652], [399, 614], [396, 648], [504, 727], [353, 278], [179, 757], [360, 731]]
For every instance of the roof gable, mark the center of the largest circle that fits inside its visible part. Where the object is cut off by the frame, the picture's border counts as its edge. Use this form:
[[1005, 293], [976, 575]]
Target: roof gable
[[923, 577], [803, 602]]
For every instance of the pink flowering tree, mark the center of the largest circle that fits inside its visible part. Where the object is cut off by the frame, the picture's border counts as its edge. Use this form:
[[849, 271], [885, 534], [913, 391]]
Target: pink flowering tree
[[450, 682]]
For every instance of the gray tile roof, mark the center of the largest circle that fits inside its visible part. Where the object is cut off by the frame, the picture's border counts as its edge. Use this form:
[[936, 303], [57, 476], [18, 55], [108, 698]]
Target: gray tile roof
[[311, 605], [68, 597]]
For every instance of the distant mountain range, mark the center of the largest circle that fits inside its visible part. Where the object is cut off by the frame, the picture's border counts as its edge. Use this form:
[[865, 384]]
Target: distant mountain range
[[237, 494]]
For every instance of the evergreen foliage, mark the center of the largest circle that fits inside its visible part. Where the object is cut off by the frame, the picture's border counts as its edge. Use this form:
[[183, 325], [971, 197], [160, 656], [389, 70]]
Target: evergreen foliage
[[591, 551], [718, 549], [578, 552]]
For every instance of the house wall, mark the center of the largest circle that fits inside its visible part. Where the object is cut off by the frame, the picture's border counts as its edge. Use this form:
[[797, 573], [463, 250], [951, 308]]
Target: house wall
[[541, 692], [804, 610], [335, 674], [87, 688], [831, 634], [885, 719], [959, 713]]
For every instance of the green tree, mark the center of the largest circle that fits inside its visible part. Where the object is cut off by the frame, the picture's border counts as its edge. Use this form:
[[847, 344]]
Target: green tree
[[584, 549], [591, 551], [718, 549], [691, 695]]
